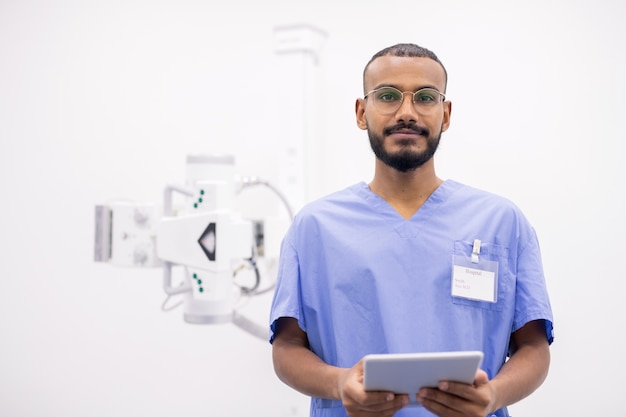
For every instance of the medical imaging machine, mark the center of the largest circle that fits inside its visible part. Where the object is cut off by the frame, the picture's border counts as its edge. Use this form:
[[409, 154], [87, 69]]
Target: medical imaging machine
[[205, 235]]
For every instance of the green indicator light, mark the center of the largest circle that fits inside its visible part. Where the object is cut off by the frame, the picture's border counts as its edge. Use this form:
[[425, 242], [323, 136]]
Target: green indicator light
[[195, 276], [199, 281], [195, 205], [200, 289], [200, 200], [201, 192]]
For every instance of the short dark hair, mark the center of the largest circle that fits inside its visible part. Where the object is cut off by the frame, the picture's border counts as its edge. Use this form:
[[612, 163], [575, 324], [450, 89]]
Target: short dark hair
[[407, 50]]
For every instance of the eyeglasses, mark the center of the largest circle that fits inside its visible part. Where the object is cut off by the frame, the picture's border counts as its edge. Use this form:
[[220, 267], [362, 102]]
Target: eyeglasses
[[388, 100]]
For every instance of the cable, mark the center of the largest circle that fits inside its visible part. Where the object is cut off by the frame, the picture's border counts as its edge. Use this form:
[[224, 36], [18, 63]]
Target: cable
[[254, 180], [257, 275], [170, 308], [250, 181]]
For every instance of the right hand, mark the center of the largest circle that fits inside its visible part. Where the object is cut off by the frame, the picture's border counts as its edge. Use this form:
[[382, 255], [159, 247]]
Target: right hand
[[361, 403]]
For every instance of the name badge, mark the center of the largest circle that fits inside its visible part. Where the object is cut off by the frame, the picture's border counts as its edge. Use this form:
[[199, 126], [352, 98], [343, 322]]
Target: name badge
[[475, 278]]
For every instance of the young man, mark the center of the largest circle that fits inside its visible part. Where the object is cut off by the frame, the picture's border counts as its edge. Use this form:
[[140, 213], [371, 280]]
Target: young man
[[371, 269]]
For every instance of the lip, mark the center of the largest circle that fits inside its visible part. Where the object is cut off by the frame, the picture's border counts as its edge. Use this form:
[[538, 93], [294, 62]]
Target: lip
[[404, 134]]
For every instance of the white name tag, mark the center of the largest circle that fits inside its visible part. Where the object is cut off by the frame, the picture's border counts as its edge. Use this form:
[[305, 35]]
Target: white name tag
[[475, 278], [474, 283]]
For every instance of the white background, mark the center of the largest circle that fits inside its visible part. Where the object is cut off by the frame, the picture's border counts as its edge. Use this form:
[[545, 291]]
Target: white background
[[104, 99]]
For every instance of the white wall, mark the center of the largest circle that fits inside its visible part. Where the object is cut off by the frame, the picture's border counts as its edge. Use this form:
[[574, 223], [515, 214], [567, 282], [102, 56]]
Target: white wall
[[104, 99]]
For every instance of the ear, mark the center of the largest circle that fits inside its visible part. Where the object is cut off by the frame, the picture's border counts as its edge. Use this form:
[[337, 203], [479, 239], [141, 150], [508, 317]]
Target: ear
[[447, 112], [359, 106]]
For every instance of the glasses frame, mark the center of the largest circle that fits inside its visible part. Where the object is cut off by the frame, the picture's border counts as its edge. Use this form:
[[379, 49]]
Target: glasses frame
[[412, 93]]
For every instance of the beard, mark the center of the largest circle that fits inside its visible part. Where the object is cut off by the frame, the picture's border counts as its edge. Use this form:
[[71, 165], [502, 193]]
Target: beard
[[405, 159]]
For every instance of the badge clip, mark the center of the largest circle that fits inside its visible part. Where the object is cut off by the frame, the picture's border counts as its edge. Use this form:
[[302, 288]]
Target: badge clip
[[476, 251]]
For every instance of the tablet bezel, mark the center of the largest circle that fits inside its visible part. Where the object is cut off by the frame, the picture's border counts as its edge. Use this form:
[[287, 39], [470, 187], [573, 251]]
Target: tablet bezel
[[406, 373]]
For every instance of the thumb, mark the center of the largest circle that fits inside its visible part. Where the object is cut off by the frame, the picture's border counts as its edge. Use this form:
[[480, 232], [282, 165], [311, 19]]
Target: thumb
[[481, 377]]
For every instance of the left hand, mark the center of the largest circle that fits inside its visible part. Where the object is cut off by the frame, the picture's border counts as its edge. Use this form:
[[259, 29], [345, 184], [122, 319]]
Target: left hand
[[455, 399]]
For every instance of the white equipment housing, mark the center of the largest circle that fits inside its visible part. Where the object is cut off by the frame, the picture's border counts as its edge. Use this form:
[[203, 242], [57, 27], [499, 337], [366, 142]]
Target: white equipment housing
[[205, 235]]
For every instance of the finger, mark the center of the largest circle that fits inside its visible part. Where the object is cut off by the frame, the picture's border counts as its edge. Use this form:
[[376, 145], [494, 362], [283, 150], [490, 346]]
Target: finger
[[385, 401], [439, 409], [436, 396], [389, 407], [393, 402], [481, 377], [464, 390], [456, 388]]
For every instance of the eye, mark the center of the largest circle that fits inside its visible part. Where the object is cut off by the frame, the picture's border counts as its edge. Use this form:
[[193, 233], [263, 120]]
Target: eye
[[426, 96], [388, 95]]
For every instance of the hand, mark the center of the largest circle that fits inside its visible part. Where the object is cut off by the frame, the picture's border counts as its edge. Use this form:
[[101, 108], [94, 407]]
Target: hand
[[455, 399], [361, 403]]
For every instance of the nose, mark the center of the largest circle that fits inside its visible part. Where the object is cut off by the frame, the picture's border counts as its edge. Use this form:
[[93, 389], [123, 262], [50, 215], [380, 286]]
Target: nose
[[407, 112]]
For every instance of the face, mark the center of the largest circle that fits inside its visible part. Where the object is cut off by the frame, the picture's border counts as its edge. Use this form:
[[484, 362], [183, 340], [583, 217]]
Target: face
[[406, 139]]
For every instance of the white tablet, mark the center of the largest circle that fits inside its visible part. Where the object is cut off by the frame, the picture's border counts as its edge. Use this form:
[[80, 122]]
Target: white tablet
[[406, 373]]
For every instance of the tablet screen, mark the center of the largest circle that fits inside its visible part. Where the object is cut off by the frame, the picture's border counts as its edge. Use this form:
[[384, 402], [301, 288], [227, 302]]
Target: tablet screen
[[406, 373]]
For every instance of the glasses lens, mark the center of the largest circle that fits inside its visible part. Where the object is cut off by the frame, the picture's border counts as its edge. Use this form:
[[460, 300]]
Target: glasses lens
[[387, 99], [426, 97]]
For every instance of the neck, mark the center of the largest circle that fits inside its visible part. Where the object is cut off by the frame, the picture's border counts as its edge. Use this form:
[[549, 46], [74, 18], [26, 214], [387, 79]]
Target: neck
[[406, 192]]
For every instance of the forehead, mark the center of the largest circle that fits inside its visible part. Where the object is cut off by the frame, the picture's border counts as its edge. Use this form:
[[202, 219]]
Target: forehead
[[407, 73]]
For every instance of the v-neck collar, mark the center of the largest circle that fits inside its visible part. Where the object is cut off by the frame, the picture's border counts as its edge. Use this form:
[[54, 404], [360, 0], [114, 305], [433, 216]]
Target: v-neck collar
[[409, 228], [438, 196]]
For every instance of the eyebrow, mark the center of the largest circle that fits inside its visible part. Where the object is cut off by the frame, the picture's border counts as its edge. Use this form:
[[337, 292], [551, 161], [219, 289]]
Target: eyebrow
[[400, 89]]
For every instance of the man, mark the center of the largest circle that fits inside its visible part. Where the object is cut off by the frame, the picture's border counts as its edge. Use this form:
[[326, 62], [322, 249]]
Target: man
[[374, 268]]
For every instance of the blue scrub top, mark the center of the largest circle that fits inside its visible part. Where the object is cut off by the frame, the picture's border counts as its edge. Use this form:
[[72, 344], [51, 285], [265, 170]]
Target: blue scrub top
[[361, 279]]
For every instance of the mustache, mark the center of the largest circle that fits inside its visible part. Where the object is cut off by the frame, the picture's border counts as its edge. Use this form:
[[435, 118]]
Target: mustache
[[404, 126]]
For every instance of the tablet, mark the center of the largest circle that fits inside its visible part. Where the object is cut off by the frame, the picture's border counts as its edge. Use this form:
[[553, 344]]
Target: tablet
[[406, 373]]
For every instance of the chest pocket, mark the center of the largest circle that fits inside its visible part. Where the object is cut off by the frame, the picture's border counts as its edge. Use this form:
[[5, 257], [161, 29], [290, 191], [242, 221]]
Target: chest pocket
[[505, 284]]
